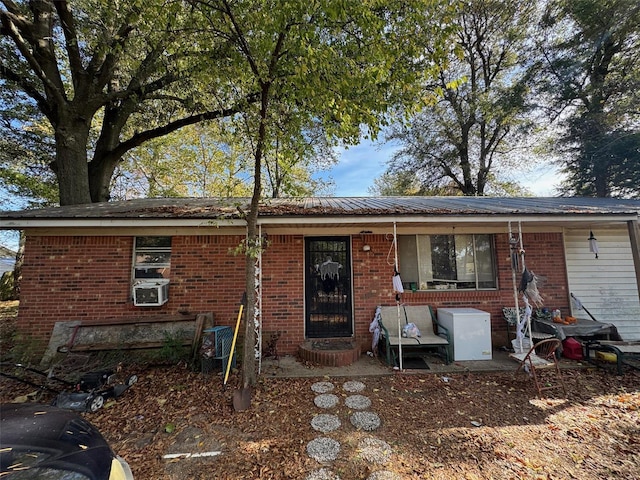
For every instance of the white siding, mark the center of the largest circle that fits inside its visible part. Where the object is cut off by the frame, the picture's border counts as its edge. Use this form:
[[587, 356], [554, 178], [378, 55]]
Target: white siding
[[606, 286]]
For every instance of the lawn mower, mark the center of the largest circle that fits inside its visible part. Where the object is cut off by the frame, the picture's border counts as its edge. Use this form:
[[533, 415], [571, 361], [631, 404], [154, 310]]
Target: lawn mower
[[88, 394]]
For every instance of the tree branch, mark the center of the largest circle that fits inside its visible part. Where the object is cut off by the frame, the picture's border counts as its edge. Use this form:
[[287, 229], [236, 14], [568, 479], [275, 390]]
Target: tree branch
[[71, 39], [139, 138]]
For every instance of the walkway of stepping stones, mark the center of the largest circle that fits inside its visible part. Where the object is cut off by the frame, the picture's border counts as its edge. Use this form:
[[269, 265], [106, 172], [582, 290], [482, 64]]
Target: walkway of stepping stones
[[325, 449]]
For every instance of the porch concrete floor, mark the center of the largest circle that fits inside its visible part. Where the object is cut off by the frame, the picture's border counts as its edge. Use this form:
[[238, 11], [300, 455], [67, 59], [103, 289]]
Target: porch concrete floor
[[289, 366]]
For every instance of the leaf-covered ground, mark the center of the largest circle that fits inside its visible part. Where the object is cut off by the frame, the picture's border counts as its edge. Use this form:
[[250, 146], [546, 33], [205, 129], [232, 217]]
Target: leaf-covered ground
[[594, 434], [464, 426]]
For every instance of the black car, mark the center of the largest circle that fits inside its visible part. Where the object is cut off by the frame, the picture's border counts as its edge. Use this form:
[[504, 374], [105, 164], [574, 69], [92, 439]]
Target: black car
[[45, 442]]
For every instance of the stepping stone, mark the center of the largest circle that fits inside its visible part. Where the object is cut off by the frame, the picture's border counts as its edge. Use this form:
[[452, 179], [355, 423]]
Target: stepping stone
[[367, 421], [358, 402], [353, 386], [384, 475], [325, 423], [323, 449], [326, 400], [322, 387], [374, 450], [322, 474]]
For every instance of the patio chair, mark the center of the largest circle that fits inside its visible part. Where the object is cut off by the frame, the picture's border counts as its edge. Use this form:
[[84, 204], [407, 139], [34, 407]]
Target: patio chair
[[542, 356]]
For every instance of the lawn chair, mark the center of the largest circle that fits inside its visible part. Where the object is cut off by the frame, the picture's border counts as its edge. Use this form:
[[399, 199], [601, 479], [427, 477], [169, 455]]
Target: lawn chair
[[542, 356]]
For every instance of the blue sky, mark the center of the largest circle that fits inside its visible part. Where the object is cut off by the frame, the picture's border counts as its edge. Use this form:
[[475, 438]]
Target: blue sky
[[360, 165]]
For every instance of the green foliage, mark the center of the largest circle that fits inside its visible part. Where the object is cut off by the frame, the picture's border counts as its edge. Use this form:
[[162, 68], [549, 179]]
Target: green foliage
[[105, 87], [592, 76], [172, 350], [480, 103], [7, 290]]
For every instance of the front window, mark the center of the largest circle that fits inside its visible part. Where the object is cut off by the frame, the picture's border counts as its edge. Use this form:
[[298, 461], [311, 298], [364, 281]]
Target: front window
[[446, 262]]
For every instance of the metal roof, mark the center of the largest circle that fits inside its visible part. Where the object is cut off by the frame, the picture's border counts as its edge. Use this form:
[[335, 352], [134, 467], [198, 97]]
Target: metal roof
[[335, 208]]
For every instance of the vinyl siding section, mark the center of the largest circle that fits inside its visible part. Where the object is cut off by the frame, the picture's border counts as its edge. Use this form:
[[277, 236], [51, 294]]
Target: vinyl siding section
[[606, 286]]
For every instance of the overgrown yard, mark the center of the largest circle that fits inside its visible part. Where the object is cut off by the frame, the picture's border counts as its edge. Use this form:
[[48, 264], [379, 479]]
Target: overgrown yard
[[473, 426]]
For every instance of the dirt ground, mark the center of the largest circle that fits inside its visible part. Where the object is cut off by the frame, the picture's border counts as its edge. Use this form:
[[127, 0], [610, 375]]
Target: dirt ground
[[464, 426]]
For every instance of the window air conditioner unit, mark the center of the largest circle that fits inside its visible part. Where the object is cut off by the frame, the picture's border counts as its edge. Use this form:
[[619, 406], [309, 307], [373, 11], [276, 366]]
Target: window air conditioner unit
[[150, 294]]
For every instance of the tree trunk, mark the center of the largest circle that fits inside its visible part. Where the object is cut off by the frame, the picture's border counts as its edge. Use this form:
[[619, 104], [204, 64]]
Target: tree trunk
[[71, 167], [100, 174], [252, 246]]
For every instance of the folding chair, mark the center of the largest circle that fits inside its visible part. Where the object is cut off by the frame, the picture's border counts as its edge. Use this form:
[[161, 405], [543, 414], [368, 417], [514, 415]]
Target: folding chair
[[542, 356]]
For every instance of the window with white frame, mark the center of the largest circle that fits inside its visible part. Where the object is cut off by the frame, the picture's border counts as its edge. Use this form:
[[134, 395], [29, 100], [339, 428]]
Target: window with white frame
[[444, 262], [151, 269], [152, 258]]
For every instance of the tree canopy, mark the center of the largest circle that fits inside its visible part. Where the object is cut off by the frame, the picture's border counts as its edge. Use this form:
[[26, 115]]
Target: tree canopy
[[107, 77], [590, 75], [480, 100]]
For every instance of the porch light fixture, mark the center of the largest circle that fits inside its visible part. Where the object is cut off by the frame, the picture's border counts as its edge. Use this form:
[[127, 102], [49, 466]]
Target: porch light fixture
[[365, 246], [593, 243]]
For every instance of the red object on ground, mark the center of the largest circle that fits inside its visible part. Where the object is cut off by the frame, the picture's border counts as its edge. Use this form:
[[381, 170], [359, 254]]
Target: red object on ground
[[571, 348]]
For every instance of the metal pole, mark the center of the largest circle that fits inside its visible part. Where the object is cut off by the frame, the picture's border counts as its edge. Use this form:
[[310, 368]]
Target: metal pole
[[397, 269], [515, 288]]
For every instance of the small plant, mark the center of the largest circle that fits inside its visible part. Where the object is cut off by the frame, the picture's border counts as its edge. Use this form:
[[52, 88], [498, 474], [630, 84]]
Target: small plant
[[173, 351]]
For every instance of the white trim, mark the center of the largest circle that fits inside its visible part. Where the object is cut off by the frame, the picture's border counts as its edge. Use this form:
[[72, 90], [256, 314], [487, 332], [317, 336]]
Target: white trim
[[303, 220]]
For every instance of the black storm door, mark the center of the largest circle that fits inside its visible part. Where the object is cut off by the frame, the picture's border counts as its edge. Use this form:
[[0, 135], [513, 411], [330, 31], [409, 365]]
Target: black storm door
[[328, 287]]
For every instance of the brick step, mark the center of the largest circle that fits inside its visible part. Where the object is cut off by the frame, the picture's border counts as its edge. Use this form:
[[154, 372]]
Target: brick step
[[338, 353]]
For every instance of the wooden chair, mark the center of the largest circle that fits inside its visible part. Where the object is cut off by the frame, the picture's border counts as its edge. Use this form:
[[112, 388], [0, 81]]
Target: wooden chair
[[542, 356]]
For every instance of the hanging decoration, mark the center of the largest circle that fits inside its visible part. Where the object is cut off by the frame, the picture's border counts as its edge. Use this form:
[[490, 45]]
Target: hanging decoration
[[528, 287], [593, 243]]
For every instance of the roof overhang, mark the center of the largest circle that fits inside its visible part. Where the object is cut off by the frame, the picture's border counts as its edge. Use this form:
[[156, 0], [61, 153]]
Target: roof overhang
[[299, 223]]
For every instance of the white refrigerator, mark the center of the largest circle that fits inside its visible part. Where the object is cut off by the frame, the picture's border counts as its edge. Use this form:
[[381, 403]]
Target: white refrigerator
[[470, 332]]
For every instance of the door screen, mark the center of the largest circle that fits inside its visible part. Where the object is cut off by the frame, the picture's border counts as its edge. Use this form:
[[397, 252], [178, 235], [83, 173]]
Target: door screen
[[328, 287]]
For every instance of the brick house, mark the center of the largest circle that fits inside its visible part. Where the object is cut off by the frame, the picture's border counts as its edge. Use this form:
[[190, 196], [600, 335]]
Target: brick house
[[327, 262]]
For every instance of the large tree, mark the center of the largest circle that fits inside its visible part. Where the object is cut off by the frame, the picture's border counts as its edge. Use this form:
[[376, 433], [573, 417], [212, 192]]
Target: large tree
[[480, 102], [338, 64], [107, 77], [591, 79]]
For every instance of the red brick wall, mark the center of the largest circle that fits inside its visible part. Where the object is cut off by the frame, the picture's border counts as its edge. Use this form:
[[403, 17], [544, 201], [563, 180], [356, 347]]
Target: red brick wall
[[75, 278], [283, 290]]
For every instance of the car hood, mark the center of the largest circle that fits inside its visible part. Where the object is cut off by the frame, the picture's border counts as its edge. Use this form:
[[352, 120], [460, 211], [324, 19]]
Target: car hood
[[42, 436]]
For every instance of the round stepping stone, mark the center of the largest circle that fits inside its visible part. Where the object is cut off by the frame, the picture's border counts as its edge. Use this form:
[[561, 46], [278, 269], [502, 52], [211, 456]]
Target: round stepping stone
[[374, 450], [353, 386], [326, 400], [384, 475], [322, 387], [323, 449], [358, 402], [366, 421], [325, 423], [322, 474]]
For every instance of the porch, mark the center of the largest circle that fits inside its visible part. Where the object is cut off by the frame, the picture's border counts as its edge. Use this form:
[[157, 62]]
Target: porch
[[366, 366]]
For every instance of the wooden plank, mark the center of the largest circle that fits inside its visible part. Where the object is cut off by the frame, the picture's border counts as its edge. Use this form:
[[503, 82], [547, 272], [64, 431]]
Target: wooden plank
[[97, 347], [97, 322]]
